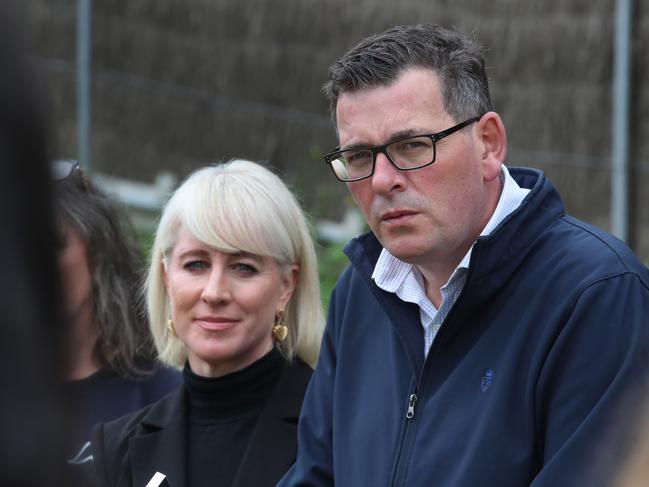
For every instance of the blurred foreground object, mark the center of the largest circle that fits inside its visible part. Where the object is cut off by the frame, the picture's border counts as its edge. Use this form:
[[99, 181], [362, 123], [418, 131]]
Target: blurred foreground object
[[32, 417]]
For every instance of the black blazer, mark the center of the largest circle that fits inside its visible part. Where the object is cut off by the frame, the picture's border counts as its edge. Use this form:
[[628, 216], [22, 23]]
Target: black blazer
[[130, 450]]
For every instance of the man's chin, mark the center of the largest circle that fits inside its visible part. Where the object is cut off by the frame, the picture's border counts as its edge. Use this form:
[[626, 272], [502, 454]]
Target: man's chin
[[404, 251]]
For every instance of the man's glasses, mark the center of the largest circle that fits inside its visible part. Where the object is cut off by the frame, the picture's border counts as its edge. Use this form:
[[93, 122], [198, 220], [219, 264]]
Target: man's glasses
[[406, 154], [65, 169]]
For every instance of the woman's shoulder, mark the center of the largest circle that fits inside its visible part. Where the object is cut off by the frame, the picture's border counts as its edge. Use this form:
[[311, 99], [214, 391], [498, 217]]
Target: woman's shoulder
[[155, 414], [110, 440]]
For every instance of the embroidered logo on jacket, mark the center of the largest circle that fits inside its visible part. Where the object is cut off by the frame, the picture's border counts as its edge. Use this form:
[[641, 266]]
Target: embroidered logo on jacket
[[486, 379]]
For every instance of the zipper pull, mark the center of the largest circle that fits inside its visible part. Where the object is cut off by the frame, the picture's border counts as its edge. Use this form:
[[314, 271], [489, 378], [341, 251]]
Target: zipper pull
[[411, 406]]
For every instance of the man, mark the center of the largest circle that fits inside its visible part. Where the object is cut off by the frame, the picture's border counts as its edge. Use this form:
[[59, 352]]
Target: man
[[480, 337]]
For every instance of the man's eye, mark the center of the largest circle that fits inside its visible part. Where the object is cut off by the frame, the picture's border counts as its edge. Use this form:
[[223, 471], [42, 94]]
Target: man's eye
[[357, 157], [415, 144]]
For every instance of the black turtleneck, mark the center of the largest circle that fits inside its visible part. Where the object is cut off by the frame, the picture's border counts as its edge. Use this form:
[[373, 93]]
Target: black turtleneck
[[222, 413]]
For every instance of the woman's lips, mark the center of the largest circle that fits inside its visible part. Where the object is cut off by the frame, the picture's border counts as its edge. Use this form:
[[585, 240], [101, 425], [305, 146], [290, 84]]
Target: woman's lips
[[215, 323]]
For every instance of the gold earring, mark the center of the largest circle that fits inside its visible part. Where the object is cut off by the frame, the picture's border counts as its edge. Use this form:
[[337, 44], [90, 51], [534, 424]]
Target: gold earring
[[280, 330], [170, 327]]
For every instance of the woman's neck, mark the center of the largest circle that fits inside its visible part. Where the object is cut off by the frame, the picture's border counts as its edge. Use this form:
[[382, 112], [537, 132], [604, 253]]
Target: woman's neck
[[232, 395]]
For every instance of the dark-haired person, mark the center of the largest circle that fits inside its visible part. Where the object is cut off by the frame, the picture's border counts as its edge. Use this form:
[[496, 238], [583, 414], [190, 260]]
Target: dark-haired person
[[481, 336], [111, 368]]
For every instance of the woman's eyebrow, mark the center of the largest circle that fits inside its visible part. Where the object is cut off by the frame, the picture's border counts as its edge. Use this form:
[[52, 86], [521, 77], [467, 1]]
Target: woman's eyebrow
[[247, 255], [192, 253]]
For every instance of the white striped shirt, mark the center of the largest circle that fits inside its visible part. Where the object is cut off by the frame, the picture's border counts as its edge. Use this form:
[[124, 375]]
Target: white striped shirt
[[407, 282]]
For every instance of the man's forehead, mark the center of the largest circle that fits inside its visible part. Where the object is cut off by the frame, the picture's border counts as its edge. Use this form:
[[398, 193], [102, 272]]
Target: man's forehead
[[377, 114]]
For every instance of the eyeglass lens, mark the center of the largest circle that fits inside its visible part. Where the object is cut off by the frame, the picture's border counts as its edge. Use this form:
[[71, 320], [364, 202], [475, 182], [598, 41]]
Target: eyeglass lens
[[409, 153]]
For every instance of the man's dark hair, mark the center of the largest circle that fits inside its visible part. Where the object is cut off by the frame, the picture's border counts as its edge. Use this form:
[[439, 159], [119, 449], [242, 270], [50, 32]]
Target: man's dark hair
[[379, 59]]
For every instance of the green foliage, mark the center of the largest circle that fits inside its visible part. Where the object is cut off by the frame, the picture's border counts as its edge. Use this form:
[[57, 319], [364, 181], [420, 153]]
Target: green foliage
[[144, 236], [331, 261]]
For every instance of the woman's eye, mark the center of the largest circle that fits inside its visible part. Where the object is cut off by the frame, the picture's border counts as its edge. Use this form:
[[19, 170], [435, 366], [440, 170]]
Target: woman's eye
[[244, 268], [194, 265]]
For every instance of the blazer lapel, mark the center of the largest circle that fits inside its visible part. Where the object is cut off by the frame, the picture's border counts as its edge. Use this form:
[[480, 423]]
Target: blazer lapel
[[273, 444], [162, 447]]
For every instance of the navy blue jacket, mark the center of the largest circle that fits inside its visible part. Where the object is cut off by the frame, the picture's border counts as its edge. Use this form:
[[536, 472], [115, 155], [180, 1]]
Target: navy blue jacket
[[531, 380]]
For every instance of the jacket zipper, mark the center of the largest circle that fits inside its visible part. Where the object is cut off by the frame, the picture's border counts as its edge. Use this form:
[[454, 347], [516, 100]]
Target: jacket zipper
[[412, 400], [410, 414]]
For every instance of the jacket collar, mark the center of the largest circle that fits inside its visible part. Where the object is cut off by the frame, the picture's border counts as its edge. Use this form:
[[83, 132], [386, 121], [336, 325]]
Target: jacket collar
[[495, 255], [161, 447], [494, 258], [503, 251], [276, 430], [363, 252]]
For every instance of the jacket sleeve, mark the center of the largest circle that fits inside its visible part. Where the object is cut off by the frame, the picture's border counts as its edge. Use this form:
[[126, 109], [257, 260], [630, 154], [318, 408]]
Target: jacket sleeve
[[314, 464], [590, 388]]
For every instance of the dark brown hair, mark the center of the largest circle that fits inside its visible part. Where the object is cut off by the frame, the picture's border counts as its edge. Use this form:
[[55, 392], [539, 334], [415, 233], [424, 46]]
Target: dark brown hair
[[379, 59]]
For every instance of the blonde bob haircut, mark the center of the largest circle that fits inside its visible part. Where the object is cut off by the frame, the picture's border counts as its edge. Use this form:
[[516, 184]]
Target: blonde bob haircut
[[239, 206]]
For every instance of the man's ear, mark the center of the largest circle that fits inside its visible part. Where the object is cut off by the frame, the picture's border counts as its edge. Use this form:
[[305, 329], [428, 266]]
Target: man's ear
[[493, 144]]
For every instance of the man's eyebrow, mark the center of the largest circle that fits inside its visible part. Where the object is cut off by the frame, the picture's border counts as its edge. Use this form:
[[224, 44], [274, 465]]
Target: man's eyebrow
[[404, 133], [401, 134], [355, 146]]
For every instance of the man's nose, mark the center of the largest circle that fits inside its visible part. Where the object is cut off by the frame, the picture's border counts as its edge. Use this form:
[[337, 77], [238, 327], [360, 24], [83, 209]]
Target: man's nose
[[387, 177]]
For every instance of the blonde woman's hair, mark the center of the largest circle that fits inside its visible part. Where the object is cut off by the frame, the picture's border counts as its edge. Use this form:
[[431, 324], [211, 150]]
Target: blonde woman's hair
[[239, 206]]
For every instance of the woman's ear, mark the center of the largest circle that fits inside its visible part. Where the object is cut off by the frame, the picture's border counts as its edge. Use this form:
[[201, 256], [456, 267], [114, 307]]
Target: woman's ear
[[493, 144], [289, 281], [163, 273]]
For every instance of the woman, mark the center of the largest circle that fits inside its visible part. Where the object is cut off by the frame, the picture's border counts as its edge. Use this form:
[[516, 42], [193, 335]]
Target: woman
[[111, 369], [233, 297]]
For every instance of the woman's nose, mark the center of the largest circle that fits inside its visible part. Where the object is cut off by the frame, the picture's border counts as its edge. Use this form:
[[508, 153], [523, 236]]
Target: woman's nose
[[216, 288]]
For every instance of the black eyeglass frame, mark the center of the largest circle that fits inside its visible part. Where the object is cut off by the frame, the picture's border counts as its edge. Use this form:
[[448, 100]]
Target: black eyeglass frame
[[330, 157]]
